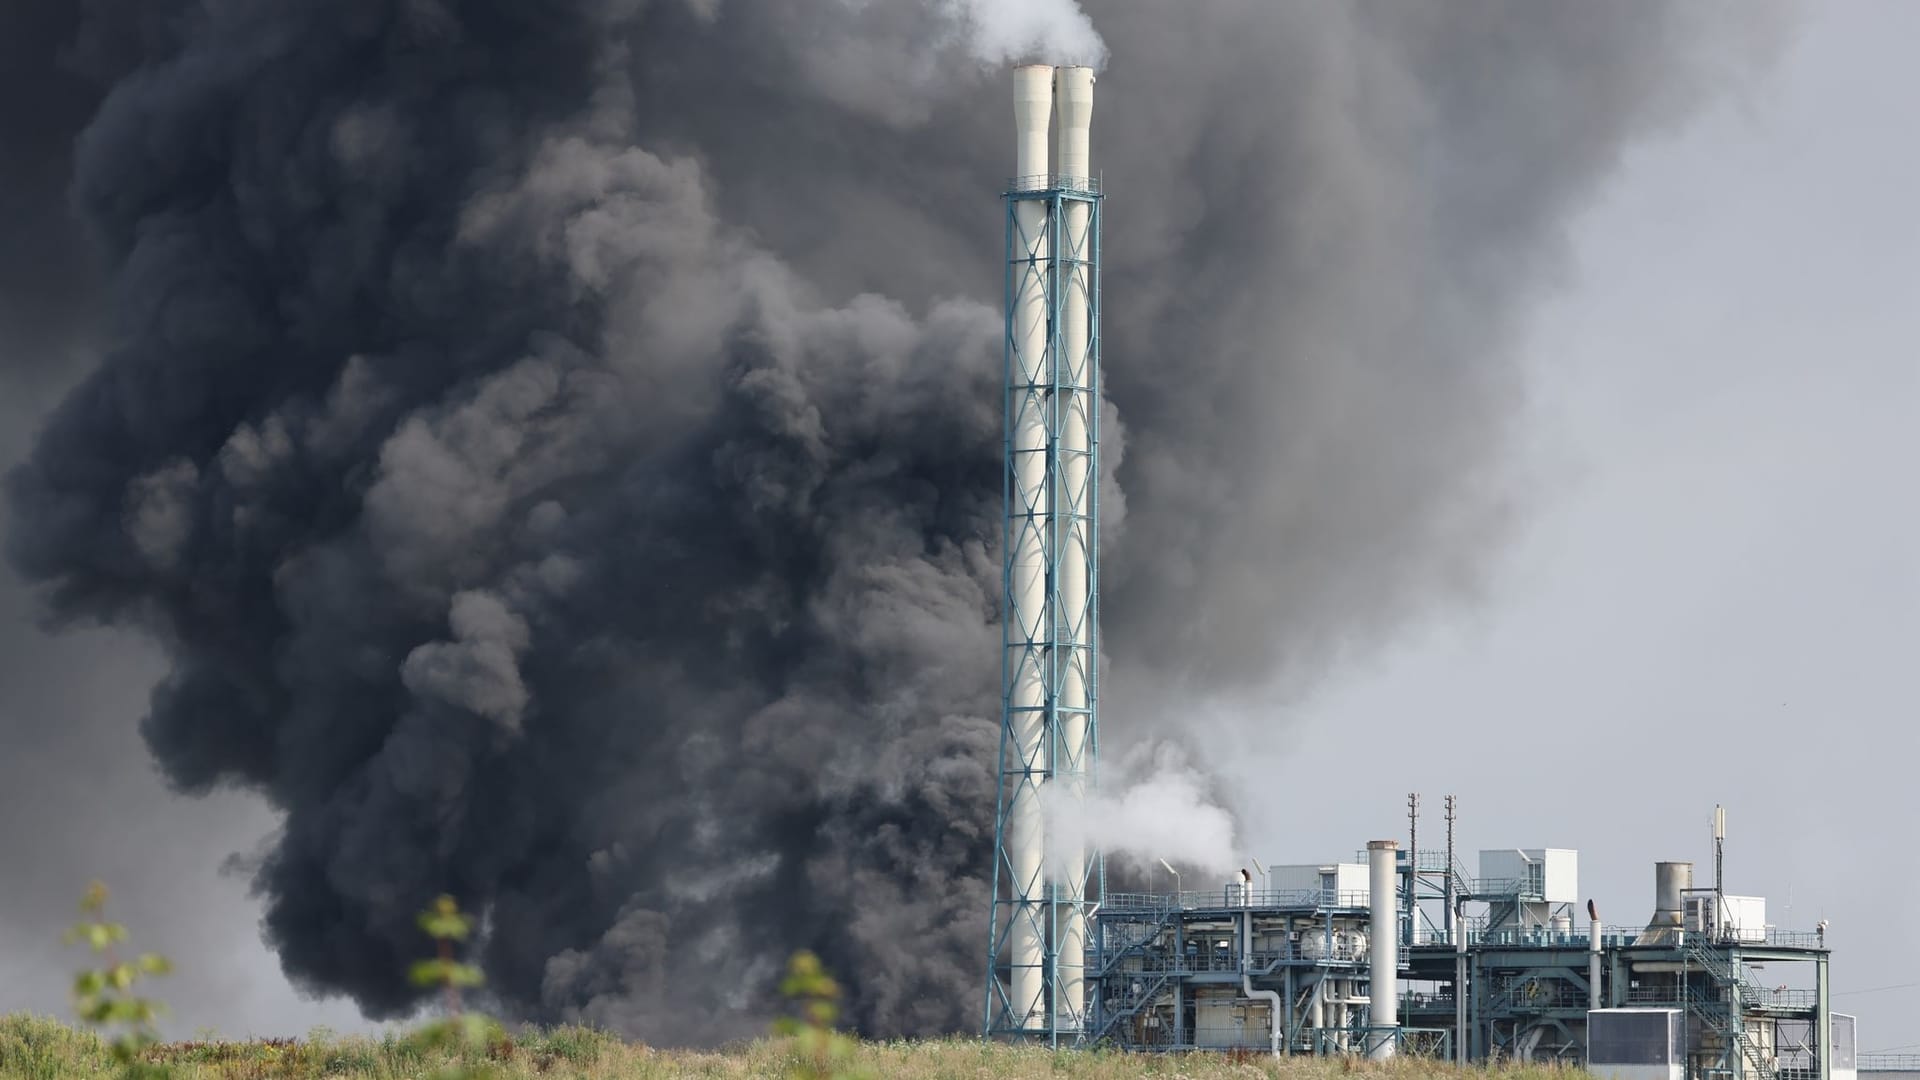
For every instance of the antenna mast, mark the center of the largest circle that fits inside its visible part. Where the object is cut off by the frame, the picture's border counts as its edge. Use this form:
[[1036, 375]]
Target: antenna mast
[[1719, 868]]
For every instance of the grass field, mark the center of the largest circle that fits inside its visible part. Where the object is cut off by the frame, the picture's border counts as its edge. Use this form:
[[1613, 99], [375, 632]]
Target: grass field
[[32, 1048]]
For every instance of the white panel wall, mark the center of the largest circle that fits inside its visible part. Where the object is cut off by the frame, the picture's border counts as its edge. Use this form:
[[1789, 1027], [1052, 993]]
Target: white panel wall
[[1298, 878], [1559, 869], [1563, 875], [1355, 878], [1350, 879], [1747, 917], [1504, 864]]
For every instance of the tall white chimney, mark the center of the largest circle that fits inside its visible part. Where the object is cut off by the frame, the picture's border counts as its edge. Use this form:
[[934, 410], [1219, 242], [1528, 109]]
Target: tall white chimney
[[1073, 105], [1027, 584], [1073, 96], [1032, 123]]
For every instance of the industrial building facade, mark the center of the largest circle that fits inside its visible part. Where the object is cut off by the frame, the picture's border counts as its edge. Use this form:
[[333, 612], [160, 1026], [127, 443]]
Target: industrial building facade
[[1476, 967]]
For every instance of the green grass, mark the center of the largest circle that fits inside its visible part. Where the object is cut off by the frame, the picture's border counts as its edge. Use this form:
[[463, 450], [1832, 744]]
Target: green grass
[[32, 1048]]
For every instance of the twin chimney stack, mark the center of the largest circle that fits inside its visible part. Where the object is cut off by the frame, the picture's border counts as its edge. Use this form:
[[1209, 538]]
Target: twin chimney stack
[[1045, 889]]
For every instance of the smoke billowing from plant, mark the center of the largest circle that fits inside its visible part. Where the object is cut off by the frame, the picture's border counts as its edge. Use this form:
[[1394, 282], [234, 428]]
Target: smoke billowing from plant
[[557, 443], [1152, 804]]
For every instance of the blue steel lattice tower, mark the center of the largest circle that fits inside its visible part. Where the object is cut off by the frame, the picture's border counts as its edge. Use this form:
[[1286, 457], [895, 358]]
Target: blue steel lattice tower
[[1044, 886]]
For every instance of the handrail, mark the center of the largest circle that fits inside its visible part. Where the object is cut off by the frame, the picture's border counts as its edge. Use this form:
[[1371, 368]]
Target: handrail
[[1217, 961], [1230, 899], [1050, 182]]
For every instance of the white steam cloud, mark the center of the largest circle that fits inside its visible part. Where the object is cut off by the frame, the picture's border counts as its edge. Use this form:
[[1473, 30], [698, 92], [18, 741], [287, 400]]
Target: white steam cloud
[[1154, 805], [1050, 31]]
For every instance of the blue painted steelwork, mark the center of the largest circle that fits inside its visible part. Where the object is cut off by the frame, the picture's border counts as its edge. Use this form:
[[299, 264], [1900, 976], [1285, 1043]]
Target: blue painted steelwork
[[1163, 963], [1055, 641]]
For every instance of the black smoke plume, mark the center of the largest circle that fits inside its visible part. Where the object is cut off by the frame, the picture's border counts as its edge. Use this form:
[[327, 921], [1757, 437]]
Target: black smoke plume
[[556, 441]]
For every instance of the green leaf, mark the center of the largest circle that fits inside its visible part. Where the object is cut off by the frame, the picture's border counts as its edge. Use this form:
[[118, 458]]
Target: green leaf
[[429, 972], [443, 921]]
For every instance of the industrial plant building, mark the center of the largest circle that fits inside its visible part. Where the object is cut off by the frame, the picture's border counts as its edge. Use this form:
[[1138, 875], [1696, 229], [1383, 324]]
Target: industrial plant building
[[1405, 952], [1400, 950]]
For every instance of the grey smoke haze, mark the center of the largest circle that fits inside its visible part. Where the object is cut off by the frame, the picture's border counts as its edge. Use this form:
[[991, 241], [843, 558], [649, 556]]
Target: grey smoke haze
[[555, 445]]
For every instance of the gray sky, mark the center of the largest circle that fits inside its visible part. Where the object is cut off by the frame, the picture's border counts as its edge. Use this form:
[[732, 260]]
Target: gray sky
[[1709, 598], [1716, 595]]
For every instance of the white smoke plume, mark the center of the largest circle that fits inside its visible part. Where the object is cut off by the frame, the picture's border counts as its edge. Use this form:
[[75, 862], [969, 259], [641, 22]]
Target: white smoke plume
[[1049, 31], [1151, 805]]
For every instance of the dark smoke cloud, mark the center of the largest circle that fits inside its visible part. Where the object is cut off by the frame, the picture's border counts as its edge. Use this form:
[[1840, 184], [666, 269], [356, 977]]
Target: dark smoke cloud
[[557, 450], [47, 278]]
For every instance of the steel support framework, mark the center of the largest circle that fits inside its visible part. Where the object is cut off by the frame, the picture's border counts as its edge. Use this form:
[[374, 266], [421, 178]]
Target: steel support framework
[[1524, 995], [1057, 646]]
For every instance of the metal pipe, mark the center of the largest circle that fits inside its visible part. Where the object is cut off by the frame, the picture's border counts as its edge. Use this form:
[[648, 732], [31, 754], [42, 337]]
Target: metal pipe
[[1073, 407], [1593, 956], [1026, 627], [1459, 986], [1271, 997], [1383, 972]]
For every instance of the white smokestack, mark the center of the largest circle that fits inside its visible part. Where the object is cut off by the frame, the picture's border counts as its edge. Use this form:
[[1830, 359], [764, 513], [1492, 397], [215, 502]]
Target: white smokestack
[[1027, 584], [1073, 94], [1073, 104], [1032, 117], [1383, 956]]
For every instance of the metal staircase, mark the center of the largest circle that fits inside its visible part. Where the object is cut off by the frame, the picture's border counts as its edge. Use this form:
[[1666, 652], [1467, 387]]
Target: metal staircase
[[1723, 1016], [1115, 1014], [1138, 937]]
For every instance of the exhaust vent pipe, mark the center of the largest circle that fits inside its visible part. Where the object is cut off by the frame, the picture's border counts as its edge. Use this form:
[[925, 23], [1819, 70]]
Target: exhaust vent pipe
[[1383, 974], [1671, 880], [1593, 955]]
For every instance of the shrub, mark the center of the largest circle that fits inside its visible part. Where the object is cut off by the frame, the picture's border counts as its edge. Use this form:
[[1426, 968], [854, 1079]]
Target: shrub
[[819, 1052], [103, 997]]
